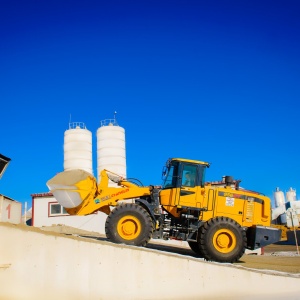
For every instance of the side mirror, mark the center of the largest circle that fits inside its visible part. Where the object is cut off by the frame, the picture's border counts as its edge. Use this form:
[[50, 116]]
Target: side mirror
[[164, 171], [4, 161]]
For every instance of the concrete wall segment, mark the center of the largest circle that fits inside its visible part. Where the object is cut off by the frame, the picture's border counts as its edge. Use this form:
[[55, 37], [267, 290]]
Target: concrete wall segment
[[43, 265]]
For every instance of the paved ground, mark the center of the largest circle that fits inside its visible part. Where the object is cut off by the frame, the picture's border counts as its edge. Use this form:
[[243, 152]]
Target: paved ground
[[279, 257]]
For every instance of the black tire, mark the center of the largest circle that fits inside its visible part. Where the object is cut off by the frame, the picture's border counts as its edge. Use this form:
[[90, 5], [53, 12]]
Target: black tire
[[223, 240], [129, 224], [195, 247]]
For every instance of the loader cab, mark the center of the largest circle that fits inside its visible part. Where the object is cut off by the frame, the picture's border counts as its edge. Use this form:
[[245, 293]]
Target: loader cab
[[182, 181], [183, 172]]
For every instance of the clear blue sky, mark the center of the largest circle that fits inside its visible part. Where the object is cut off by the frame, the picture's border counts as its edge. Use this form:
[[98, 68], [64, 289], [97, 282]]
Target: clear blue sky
[[217, 81]]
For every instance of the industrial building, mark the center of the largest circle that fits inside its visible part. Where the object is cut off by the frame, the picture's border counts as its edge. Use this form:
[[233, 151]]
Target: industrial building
[[46, 211], [10, 210]]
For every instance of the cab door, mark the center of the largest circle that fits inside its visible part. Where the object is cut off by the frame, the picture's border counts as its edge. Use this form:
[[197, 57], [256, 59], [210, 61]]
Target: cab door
[[189, 187]]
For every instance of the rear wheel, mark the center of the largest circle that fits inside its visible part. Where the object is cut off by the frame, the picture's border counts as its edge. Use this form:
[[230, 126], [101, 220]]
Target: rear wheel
[[222, 239], [130, 224], [195, 247]]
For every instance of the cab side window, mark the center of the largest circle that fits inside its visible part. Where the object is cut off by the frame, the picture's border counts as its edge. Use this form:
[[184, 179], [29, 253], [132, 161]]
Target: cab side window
[[189, 176]]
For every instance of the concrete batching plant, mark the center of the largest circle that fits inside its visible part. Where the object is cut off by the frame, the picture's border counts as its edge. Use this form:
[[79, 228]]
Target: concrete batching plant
[[111, 150], [286, 213]]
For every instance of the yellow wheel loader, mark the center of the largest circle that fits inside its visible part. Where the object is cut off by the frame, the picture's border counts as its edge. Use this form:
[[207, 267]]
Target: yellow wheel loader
[[219, 220]]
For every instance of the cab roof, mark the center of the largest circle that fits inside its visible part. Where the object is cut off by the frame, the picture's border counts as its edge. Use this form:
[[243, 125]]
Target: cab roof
[[191, 161]]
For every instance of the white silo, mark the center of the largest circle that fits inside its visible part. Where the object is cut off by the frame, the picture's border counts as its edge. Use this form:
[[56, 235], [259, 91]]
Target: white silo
[[291, 195], [279, 197], [78, 148], [280, 205], [111, 151]]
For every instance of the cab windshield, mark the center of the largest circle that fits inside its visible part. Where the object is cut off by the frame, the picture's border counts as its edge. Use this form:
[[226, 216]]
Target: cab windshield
[[178, 174], [170, 176]]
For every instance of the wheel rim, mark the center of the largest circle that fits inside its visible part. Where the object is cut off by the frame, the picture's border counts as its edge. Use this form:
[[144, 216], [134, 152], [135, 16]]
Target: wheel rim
[[224, 240], [129, 227]]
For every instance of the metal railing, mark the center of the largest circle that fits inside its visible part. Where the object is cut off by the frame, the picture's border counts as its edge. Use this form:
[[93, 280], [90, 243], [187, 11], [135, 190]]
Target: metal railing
[[109, 122], [75, 125]]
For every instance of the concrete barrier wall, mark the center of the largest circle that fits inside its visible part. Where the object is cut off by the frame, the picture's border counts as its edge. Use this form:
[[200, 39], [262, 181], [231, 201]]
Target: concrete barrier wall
[[42, 265]]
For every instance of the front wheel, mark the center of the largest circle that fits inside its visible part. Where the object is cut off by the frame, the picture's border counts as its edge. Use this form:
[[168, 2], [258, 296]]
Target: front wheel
[[222, 239], [129, 224]]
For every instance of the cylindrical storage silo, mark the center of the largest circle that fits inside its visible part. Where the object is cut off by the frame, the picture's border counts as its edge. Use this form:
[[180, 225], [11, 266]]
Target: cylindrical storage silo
[[280, 201], [279, 198], [291, 195], [111, 152], [78, 148]]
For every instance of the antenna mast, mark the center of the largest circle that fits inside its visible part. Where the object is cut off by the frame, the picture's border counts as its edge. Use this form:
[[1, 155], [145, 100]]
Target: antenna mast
[[115, 120]]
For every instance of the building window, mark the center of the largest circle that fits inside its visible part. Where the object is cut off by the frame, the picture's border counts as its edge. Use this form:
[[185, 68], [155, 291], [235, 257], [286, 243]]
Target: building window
[[55, 209]]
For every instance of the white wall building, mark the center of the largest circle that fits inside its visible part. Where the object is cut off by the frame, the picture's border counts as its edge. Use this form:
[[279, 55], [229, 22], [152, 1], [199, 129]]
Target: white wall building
[[10, 210], [46, 211]]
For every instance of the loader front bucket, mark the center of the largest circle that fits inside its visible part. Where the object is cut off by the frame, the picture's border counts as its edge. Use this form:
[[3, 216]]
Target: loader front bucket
[[70, 188]]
